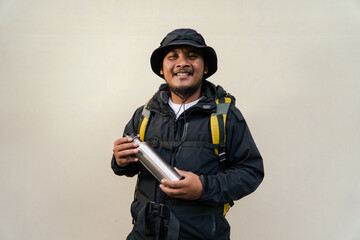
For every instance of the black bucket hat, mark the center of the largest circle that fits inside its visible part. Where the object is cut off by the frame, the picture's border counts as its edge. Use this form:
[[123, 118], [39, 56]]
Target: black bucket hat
[[184, 36]]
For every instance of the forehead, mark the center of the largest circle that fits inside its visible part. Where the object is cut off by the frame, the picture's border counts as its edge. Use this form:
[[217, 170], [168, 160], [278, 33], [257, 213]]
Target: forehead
[[183, 48]]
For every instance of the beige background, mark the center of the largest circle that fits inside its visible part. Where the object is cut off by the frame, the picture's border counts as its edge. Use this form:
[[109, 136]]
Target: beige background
[[73, 72]]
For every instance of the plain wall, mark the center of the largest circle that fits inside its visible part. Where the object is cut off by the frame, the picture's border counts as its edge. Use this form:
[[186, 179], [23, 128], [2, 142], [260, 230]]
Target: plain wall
[[73, 72]]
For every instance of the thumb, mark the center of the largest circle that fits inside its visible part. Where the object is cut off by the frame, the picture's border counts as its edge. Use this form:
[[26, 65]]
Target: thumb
[[181, 172]]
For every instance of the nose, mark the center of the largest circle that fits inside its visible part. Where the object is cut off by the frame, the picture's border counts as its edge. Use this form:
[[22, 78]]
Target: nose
[[182, 62]]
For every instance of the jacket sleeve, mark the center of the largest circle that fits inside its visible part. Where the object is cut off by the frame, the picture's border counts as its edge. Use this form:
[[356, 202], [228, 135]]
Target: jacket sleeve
[[244, 171], [133, 168]]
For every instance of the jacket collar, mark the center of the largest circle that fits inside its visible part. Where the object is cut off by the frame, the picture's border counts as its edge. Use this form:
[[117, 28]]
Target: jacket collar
[[209, 91]]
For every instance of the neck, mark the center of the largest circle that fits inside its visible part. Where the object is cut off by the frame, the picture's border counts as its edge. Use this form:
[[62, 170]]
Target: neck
[[178, 99]]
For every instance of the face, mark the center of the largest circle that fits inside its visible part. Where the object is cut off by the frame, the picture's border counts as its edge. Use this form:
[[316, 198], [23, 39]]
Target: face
[[183, 69]]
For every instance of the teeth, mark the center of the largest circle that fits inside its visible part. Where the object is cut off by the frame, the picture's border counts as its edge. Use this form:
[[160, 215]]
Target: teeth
[[182, 74]]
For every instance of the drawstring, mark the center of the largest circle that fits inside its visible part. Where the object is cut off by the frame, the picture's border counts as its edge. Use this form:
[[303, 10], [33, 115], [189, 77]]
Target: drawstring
[[182, 104], [186, 124]]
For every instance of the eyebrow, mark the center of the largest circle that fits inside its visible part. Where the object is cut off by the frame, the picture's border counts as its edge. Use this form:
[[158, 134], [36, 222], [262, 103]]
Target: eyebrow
[[191, 50]]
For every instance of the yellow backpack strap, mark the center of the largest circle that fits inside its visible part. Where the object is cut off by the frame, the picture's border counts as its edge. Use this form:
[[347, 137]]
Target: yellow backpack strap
[[226, 208], [218, 133], [218, 126], [144, 119]]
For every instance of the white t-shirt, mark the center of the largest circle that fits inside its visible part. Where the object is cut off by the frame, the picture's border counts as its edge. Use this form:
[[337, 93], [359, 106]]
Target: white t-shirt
[[180, 108]]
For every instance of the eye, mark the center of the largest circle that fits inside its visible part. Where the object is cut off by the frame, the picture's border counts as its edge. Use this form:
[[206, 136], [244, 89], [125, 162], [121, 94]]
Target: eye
[[193, 55], [172, 56]]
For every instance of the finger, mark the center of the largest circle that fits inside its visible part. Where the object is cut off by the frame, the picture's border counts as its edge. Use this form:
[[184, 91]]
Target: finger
[[122, 140], [125, 146], [172, 192], [131, 159], [181, 172], [173, 184], [125, 161], [126, 153]]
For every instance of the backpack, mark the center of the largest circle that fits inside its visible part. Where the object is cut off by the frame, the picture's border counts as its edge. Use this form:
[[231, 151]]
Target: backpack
[[218, 131]]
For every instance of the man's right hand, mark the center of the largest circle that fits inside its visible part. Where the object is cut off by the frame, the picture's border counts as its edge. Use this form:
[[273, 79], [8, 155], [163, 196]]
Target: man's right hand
[[124, 150]]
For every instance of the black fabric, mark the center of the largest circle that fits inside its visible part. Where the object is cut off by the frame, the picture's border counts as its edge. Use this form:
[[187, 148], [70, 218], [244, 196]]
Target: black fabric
[[244, 166]]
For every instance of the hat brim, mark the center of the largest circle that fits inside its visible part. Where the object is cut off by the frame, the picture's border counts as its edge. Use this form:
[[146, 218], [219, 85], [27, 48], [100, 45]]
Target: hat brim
[[209, 56]]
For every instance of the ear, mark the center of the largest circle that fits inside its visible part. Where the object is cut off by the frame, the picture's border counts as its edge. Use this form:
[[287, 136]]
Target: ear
[[206, 69], [161, 70]]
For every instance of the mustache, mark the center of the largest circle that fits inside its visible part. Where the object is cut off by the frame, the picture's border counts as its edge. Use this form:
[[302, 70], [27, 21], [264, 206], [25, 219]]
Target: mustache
[[189, 71]]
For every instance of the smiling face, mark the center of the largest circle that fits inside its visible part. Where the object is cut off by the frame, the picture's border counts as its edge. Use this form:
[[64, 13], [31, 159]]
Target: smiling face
[[183, 69]]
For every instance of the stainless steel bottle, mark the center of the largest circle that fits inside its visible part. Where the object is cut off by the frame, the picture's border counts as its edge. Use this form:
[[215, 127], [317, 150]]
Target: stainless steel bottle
[[153, 162]]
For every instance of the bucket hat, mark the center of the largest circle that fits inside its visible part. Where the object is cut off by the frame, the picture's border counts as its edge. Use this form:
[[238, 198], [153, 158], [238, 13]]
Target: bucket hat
[[184, 36]]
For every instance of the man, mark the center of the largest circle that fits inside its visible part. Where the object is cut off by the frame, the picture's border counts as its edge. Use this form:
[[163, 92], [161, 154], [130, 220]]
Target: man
[[180, 128]]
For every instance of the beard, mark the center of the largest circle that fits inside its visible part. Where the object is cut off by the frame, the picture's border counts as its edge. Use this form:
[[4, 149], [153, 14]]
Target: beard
[[185, 92]]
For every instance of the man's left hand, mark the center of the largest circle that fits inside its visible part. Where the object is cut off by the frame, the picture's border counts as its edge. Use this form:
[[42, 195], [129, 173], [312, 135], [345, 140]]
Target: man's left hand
[[188, 188]]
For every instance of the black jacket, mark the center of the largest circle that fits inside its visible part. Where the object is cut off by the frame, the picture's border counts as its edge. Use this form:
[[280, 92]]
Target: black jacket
[[244, 166]]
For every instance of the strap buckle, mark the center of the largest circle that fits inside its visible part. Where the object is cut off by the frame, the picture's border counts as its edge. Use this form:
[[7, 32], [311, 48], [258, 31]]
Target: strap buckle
[[156, 209], [222, 156], [222, 152]]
